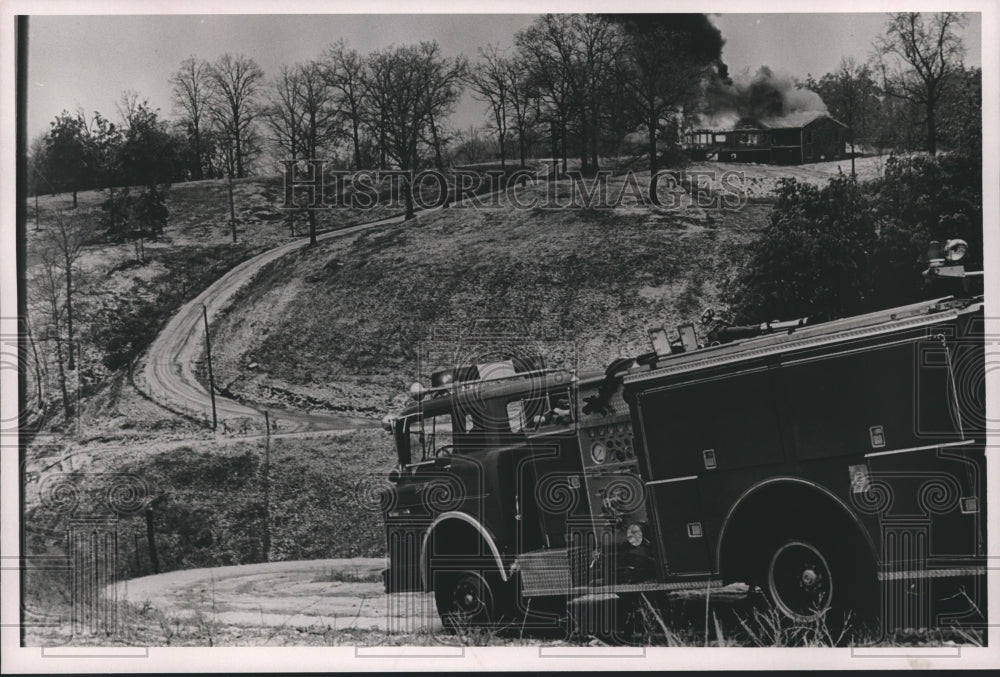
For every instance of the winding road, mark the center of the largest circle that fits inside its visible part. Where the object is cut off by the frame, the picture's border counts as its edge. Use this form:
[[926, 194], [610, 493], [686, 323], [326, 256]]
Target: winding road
[[335, 593], [167, 372]]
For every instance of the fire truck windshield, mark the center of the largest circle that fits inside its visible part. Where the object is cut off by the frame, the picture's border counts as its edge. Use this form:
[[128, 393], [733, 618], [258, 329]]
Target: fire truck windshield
[[429, 436], [479, 424]]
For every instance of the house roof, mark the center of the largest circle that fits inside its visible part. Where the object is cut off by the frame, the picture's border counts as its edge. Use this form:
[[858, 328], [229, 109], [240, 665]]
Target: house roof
[[792, 121]]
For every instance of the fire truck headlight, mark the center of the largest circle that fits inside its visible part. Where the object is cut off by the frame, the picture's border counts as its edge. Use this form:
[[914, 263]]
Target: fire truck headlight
[[417, 391], [634, 535], [955, 250]]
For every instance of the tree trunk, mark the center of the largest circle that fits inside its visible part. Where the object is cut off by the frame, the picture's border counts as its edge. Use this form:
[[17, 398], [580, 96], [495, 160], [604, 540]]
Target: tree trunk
[[357, 142], [852, 154], [239, 155], [74, 199], [71, 365], [520, 145], [62, 379], [407, 188], [595, 136], [651, 129], [198, 173], [564, 149], [312, 228], [438, 159], [931, 128], [38, 366], [555, 150], [232, 205]]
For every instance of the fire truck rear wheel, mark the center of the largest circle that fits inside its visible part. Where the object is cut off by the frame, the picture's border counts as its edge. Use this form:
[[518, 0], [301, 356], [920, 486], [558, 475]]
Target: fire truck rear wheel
[[809, 579], [800, 580]]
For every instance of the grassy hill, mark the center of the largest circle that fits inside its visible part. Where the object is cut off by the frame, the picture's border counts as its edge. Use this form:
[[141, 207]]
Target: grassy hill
[[339, 326]]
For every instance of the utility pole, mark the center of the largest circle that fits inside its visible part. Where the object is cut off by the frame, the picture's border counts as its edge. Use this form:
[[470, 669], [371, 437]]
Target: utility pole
[[154, 557], [211, 379], [266, 544]]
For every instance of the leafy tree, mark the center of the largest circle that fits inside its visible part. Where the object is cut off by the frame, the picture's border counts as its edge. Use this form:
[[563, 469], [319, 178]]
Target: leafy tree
[[851, 247], [812, 257], [148, 155], [66, 157], [116, 210], [104, 148], [962, 114], [918, 200], [150, 209]]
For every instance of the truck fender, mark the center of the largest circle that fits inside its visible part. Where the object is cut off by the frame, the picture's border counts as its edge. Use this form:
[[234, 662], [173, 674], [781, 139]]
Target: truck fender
[[484, 533], [800, 482]]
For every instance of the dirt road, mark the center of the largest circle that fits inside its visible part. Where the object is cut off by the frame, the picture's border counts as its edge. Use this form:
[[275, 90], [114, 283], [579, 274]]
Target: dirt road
[[338, 594], [167, 372]]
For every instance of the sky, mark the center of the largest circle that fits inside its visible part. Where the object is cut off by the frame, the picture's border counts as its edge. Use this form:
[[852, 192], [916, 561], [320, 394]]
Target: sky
[[88, 61]]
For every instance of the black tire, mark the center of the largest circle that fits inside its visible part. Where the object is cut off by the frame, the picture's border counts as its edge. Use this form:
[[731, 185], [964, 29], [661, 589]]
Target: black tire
[[809, 579], [466, 599]]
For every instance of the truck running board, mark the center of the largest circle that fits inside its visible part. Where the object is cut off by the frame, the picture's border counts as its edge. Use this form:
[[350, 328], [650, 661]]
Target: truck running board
[[545, 573]]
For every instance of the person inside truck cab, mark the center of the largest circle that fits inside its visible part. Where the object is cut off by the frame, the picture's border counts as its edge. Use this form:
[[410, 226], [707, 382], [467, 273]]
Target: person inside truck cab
[[560, 414]]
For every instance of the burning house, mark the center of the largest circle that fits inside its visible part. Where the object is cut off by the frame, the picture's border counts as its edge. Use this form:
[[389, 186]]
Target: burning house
[[766, 118], [818, 139]]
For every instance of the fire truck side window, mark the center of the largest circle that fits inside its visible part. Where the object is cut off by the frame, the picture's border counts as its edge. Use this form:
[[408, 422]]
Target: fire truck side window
[[551, 411]]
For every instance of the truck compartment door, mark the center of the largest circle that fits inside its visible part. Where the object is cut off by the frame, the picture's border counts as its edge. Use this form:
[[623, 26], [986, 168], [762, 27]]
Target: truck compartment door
[[682, 538]]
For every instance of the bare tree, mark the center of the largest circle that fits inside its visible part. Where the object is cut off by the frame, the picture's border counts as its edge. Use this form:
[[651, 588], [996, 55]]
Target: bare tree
[[128, 106], [411, 88], [235, 85], [48, 283], [917, 59], [320, 116], [490, 83], [62, 247], [850, 94], [445, 77], [283, 112], [234, 110], [579, 51], [191, 92], [555, 103], [523, 101], [346, 73]]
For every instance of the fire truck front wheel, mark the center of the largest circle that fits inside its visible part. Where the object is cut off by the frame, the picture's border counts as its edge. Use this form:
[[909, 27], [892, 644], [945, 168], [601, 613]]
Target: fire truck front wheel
[[466, 599]]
